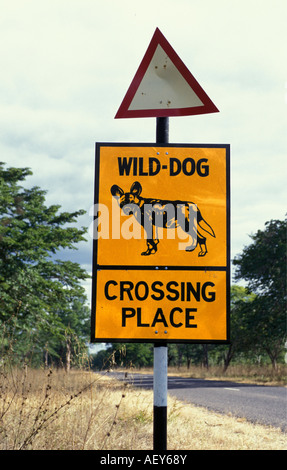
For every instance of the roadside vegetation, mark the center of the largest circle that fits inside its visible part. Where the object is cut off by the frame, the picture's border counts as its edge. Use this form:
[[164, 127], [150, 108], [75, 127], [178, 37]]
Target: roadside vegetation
[[81, 410]]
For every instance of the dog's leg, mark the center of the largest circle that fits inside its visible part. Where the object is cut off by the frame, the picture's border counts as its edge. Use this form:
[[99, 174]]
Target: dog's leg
[[191, 232], [151, 247], [151, 243], [191, 247], [192, 219], [202, 244]]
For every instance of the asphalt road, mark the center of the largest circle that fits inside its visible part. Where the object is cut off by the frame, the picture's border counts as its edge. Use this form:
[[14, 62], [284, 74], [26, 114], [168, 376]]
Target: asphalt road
[[258, 404]]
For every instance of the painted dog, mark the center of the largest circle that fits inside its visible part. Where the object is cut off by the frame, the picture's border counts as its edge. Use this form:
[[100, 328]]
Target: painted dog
[[163, 213]]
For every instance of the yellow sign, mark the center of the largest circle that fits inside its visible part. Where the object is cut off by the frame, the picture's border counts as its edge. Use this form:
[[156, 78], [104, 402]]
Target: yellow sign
[[162, 305], [161, 243]]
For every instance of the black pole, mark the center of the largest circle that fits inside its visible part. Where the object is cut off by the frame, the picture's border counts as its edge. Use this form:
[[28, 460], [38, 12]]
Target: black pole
[[162, 130], [160, 397], [160, 349]]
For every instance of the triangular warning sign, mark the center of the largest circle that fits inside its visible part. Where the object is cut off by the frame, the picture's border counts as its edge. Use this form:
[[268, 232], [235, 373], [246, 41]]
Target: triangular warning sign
[[163, 86]]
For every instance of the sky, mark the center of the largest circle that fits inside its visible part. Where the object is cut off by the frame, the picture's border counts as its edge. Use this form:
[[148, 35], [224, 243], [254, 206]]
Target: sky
[[66, 66]]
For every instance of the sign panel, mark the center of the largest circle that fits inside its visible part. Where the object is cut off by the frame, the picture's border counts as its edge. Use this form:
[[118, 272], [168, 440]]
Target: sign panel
[[167, 305], [161, 269], [163, 86]]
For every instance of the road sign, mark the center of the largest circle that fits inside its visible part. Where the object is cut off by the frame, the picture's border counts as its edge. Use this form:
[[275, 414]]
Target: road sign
[[161, 267], [163, 86]]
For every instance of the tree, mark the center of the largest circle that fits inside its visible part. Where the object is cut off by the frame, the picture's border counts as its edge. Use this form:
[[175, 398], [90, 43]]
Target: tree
[[241, 308], [127, 355], [132, 354], [38, 293], [263, 265]]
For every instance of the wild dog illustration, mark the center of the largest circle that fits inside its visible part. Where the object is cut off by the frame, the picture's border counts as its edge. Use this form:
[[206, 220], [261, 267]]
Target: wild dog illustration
[[151, 213]]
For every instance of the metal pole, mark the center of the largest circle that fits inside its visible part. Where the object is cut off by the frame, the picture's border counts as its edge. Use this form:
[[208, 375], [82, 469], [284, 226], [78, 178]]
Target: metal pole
[[162, 130], [160, 397], [160, 349]]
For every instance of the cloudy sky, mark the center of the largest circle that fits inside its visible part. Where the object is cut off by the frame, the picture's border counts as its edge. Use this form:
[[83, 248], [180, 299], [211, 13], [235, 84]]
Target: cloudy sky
[[67, 64]]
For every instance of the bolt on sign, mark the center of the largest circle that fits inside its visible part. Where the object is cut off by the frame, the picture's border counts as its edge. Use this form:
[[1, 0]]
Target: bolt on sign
[[161, 254]]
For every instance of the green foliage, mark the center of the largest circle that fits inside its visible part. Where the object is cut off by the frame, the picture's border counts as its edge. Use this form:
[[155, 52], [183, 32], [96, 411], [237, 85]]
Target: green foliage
[[41, 299], [263, 265], [132, 354], [124, 355]]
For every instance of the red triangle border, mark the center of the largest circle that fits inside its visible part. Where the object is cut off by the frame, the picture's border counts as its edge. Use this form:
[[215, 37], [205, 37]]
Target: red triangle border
[[159, 39]]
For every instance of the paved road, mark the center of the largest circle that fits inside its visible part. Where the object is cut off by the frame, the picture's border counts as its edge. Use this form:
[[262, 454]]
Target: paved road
[[259, 404]]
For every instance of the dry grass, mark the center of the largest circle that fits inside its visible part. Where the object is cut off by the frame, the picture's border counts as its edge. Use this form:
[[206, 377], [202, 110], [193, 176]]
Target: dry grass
[[199, 429], [52, 410]]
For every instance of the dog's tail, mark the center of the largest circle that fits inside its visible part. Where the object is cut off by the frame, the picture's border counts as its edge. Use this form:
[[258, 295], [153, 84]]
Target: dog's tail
[[206, 227]]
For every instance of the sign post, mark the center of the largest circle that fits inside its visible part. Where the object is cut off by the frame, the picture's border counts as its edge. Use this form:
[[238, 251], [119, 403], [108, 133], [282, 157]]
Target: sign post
[[161, 229], [160, 350], [161, 269], [160, 397]]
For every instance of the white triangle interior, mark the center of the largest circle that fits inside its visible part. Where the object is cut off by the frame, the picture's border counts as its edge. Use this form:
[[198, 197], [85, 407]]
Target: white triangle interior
[[163, 86]]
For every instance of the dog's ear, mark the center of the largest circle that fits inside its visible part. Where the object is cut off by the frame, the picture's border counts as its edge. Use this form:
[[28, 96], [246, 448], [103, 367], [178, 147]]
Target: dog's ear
[[136, 188], [116, 191]]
